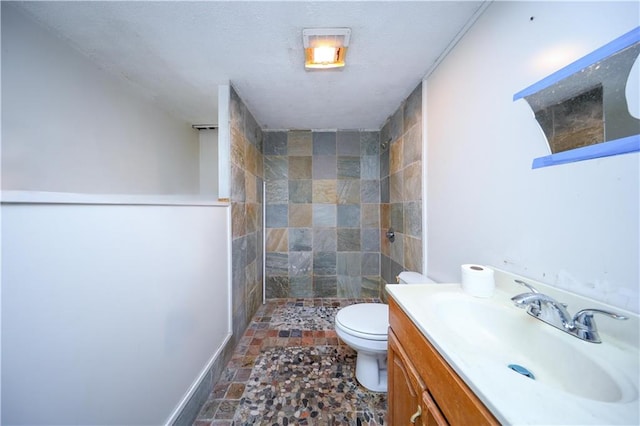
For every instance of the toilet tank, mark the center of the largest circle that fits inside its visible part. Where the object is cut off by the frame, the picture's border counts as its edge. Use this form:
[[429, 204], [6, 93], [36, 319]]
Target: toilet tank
[[409, 277]]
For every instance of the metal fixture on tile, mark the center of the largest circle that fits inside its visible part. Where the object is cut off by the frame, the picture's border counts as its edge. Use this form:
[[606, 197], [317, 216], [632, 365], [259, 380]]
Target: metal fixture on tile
[[391, 235], [384, 145], [325, 48]]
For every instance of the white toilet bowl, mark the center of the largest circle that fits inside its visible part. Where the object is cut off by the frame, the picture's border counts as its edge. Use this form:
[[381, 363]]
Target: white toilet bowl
[[364, 328]]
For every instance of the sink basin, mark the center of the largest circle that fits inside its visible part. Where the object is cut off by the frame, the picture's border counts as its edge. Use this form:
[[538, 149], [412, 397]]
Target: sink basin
[[511, 337], [575, 382]]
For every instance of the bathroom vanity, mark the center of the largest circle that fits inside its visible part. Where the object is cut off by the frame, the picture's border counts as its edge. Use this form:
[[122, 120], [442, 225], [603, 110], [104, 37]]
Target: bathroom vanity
[[458, 359], [423, 388]]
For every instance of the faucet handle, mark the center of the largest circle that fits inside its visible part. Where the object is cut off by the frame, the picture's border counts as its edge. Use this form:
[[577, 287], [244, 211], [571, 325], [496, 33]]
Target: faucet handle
[[585, 326], [584, 318], [531, 288]]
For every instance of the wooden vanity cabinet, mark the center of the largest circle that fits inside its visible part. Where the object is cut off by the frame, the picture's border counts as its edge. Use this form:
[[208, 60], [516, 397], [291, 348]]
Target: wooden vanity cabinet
[[422, 388], [410, 399]]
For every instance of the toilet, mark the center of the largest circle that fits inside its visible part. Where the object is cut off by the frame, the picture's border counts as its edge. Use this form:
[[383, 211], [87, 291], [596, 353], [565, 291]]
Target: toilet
[[363, 327]]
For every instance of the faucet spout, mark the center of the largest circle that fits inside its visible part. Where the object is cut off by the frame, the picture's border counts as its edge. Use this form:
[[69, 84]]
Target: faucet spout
[[545, 308], [525, 299]]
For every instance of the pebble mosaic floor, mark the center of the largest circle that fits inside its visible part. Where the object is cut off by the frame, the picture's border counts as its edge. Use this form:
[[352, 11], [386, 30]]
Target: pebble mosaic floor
[[290, 368]]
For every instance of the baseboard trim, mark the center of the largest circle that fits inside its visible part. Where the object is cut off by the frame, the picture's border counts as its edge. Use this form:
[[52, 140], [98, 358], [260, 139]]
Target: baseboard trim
[[184, 402]]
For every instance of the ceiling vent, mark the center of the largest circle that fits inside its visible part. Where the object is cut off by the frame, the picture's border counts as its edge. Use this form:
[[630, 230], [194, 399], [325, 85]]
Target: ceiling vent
[[325, 48]]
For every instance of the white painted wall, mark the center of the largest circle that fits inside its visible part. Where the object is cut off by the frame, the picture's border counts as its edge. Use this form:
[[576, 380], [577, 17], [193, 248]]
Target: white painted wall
[[68, 126], [110, 313], [209, 162], [573, 226], [113, 308]]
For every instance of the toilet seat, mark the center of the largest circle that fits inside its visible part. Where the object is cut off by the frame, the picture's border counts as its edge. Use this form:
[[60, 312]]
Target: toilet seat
[[365, 320]]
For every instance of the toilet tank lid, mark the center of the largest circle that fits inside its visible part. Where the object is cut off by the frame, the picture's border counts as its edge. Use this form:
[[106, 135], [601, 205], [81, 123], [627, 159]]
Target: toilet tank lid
[[410, 277]]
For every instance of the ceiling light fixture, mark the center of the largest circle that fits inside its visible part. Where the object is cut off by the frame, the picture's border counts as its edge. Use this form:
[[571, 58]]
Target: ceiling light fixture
[[325, 48]]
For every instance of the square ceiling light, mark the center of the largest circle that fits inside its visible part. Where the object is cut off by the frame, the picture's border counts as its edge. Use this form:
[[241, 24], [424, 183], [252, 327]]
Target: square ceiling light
[[325, 48]]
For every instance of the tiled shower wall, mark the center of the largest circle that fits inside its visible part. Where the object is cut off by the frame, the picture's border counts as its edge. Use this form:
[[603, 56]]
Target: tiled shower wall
[[322, 214], [246, 213], [246, 245], [401, 189]]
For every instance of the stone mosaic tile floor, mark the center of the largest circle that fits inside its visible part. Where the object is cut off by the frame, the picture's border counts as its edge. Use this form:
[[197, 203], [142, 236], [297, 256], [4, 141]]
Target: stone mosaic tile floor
[[290, 368]]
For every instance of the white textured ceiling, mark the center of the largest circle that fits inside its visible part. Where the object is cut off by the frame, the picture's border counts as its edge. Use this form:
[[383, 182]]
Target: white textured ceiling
[[178, 53]]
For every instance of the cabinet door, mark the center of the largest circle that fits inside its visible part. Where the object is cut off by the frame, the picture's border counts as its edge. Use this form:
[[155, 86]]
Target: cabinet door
[[433, 416], [456, 402], [406, 389]]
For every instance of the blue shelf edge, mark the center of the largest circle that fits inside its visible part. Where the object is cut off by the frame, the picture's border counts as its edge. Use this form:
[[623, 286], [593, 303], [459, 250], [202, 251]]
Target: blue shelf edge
[[605, 149], [608, 49]]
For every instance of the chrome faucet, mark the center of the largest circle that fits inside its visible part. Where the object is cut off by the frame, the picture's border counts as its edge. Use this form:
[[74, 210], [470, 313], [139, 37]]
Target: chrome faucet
[[586, 327], [547, 309]]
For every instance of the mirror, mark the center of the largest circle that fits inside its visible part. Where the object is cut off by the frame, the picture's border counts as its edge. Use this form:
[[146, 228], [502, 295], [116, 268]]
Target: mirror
[[587, 110]]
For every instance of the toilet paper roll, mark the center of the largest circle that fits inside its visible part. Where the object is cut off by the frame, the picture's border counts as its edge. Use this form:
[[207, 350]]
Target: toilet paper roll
[[477, 280]]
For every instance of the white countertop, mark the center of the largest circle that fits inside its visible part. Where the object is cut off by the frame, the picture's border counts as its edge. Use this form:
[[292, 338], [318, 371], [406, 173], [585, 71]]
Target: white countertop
[[515, 399]]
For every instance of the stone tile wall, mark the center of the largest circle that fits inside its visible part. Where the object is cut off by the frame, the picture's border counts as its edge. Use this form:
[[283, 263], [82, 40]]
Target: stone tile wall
[[331, 196], [401, 189], [247, 233], [322, 215], [247, 172]]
